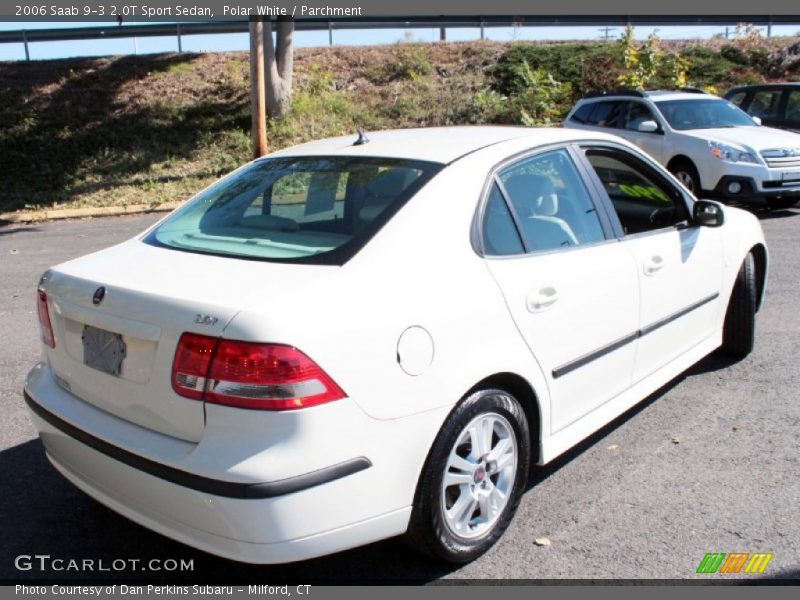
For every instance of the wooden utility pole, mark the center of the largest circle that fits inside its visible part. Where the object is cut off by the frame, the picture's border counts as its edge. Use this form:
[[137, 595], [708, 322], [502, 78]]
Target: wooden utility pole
[[257, 94]]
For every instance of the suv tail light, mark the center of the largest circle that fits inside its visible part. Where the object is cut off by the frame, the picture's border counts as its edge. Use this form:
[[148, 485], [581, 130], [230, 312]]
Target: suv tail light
[[46, 327], [249, 375]]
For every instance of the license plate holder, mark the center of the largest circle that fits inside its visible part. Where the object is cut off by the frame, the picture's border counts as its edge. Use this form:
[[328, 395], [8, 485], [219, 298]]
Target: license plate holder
[[791, 176], [103, 350]]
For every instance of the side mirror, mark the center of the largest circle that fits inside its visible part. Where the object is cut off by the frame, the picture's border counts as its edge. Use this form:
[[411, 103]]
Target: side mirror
[[708, 214], [648, 126], [756, 120]]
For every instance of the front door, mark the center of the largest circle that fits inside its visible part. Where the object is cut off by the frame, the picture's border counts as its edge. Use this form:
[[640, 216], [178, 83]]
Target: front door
[[679, 265]]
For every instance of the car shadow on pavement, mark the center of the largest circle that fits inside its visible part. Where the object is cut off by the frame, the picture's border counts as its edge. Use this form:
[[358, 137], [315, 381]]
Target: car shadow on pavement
[[43, 514], [12, 230]]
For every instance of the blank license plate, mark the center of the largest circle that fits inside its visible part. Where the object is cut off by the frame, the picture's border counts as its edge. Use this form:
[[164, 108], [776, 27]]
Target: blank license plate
[[103, 350]]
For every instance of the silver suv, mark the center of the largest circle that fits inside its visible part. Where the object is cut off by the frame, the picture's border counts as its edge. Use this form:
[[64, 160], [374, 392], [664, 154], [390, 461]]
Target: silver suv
[[715, 149]]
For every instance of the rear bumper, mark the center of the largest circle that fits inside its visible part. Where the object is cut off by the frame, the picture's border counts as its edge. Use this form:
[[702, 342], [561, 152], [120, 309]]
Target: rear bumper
[[249, 510], [200, 483]]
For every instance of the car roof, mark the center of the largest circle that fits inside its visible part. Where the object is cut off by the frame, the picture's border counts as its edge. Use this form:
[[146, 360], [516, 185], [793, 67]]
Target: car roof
[[764, 86], [654, 95], [433, 144]]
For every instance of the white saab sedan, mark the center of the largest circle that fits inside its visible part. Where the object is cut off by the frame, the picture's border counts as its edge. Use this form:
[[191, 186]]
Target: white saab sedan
[[380, 335]]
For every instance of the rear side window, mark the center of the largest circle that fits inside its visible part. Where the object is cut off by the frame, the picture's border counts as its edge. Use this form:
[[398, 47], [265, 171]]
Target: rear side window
[[302, 209], [765, 104], [551, 203], [793, 106], [607, 114]]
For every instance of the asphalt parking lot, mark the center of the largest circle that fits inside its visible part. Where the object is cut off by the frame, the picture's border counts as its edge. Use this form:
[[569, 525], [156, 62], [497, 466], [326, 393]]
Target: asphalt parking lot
[[710, 463]]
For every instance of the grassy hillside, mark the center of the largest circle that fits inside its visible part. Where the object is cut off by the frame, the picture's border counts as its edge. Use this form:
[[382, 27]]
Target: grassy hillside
[[134, 130]]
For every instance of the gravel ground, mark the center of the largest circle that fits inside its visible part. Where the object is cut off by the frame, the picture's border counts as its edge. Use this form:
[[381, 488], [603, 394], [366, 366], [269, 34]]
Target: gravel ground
[[710, 463]]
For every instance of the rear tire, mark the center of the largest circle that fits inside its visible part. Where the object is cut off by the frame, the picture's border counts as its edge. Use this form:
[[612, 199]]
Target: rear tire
[[686, 173], [738, 334], [473, 479]]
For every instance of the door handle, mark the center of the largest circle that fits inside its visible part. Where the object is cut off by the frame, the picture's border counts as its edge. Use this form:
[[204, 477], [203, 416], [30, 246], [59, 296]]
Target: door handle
[[654, 265], [542, 299]]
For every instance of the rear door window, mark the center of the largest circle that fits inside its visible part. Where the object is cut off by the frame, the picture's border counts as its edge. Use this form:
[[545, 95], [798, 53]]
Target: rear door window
[[300, 209], [765, 104], [551, 203], [793, 107], [607, 114]]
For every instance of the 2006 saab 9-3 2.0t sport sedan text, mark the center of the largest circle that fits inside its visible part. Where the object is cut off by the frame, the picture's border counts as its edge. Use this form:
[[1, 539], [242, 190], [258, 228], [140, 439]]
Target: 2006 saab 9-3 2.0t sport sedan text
[[366, 337]]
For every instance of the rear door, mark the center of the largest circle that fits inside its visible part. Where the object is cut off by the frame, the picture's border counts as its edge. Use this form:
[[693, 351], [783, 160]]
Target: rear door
[[679, 265], [572, 291]]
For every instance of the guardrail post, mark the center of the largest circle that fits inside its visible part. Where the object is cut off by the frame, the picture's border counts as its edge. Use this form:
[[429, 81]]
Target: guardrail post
[[330, 33], [25, 42], [180, 46]]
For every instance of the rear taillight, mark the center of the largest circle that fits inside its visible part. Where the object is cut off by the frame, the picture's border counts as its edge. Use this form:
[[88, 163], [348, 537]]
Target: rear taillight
[[46, 327], [190, 366], [249, 375]]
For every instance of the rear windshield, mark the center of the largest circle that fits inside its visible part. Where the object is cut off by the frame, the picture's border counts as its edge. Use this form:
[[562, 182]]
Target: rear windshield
[[298, 209]]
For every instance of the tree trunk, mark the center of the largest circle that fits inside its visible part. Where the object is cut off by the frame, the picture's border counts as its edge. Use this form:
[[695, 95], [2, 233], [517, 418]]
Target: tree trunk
[[257, 100], [278, 66]]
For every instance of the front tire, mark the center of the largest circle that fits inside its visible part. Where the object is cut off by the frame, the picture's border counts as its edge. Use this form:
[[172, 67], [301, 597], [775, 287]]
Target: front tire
[[473, 479], [686, 173], [738, 335]]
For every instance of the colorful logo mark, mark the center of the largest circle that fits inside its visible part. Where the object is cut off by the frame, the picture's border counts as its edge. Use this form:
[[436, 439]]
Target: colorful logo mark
[[734, 562]]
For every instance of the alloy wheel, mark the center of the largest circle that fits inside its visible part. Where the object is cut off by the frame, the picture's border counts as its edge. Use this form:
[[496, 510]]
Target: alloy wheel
[[479, 475]]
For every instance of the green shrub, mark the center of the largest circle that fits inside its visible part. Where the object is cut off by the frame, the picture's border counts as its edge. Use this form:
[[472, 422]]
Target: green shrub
[[584, 66], [411, 63]]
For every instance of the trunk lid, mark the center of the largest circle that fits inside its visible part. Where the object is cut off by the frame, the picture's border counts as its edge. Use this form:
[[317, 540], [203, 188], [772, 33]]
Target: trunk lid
[[152, 296]]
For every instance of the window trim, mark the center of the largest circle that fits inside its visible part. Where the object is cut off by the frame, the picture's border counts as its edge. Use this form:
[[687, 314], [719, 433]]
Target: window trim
[[477, 237], [652, 169]]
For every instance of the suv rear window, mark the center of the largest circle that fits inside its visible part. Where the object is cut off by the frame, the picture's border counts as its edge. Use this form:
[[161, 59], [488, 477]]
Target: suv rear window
[[318, 210]]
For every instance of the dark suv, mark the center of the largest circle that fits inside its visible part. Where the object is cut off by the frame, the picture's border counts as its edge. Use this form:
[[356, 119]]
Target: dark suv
[[776, 104]]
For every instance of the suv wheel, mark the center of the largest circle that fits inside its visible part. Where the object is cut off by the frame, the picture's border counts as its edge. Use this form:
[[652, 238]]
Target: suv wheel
[[685, 172], [473, 479]]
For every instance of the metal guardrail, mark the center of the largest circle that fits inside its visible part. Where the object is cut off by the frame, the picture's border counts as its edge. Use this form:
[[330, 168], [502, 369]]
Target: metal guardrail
[[179, 30]]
